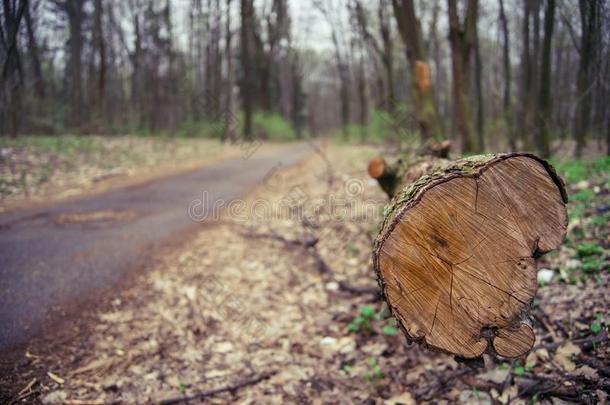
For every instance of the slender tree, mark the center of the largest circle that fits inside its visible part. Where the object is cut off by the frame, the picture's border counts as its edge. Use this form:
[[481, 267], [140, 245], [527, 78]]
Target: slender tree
[[478, 80], [462, 38], [230, 119], [589, 25], [409, 26], [342, 64], [11, 81], [101, 49], [247, 88], [384, 51], [506, 102], [526, 77], [76, 14], [544, 99], [34, 53]]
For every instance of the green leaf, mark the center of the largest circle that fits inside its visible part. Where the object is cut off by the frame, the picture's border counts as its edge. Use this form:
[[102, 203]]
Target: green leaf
[[596, 327], [389, 330], [519, 370], [352, 327], [367, 311]]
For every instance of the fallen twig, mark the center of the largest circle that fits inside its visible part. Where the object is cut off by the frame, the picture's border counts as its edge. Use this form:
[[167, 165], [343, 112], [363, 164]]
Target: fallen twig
[[535, 385], [355, 289], [25, 392], [215, 391], [585, 344], [441, 382], [28, 387], [308, 244]]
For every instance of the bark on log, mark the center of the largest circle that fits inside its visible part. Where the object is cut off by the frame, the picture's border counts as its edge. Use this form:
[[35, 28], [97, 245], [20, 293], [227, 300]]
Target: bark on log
[[456, 255], [393, 177]]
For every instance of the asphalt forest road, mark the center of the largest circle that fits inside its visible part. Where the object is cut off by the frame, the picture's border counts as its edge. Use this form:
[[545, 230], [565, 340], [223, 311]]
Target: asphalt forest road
[[66, 252]]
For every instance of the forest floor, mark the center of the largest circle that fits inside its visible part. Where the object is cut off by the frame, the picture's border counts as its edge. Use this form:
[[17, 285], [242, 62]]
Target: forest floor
[[39, 169], [276, 302]]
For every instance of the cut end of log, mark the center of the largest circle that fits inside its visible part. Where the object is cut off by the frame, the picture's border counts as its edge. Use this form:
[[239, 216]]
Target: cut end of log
[[514, 342], [456, 257], [376, 167]]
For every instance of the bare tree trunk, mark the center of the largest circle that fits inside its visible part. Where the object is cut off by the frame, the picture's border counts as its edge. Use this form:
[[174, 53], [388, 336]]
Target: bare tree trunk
[[136, 77], [608, 135], [39, 82], [10, 98], [507, 79], [544, 103], [526, 77], [440, 79], [462, 37], [75, 13], [478, 77], [410, 30], [298, 98], [388, 55], [101, 80], [247, 14], [230, 121], [589, 32], [217, 33], [364, 110], [208, 85], [534, 86], [344, 81]]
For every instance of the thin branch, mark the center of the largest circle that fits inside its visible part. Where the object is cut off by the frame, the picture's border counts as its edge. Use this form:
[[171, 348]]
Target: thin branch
[[227, 388]]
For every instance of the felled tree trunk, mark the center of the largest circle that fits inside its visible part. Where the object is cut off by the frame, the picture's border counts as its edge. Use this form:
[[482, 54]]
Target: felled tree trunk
[[456, 256], [393, 176]]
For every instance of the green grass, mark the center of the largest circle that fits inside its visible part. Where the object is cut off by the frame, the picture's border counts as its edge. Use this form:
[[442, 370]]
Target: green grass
[[574, 171], [269, 126], [272, 127], [62, 144], [602, 165], [587, 249]]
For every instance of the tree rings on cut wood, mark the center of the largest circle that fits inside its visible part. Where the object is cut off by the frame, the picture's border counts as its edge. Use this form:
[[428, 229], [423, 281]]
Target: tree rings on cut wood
[[456, 256]]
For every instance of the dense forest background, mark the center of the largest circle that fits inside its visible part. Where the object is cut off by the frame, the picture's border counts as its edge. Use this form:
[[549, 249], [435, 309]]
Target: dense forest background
[[506, 74]]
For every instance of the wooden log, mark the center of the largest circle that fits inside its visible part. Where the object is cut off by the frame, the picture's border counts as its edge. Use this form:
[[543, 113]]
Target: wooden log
[[393, 177], [408, 168], [456, 255]]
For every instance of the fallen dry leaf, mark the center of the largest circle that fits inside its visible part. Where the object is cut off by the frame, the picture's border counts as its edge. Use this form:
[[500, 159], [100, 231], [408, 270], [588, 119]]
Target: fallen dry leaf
[[496, 375], [563, 356], [403, 399]]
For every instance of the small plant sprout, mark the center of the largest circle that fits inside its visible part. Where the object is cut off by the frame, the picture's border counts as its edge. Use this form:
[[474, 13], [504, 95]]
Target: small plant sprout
[[363, 322], [374, 374]]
